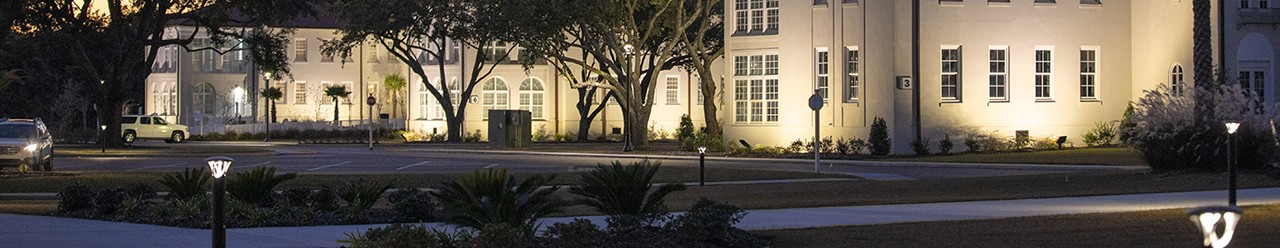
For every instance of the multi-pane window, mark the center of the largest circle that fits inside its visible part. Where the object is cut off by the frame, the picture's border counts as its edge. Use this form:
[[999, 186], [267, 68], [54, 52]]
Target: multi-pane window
[[823, 80], [756, 16], [1089, 73], [495, 52], [697, 85], [531, 97], [1044, 71], [300, 50], [1253, 82], [425, 106], [851, 76], [673, 90], [300, 92], [1176, 84], [950, 73], [349, 86], [206, 58], [324, 87], [756, 89], [998, 74], [494, 95], [455, 92]]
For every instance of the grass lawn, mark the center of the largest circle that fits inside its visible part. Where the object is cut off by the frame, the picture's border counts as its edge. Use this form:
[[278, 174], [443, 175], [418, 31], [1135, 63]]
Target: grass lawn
[[1260, 227], [1090, 156]]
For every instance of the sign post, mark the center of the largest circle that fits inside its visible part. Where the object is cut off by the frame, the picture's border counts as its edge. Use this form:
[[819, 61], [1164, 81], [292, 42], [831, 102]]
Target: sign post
[[815, 103]]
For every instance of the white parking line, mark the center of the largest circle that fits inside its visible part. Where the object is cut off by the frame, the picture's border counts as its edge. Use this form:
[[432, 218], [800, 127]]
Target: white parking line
[[257, 164], [158, 166], [490, 166], [412, 165], [327, 166]]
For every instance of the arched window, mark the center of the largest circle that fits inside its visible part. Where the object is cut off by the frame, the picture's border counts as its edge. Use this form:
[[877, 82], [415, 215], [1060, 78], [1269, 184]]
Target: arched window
[[159, 105], [494, 95], [531, 97], [205, 99], [1176, 84], [455, 91], [425, 101]]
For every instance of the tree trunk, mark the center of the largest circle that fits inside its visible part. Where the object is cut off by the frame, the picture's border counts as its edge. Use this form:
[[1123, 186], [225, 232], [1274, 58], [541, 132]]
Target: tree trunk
[[709, 107], [110, 114], [636, 123], [455, 129], [335, 112], [273, 111], [1202, 56]]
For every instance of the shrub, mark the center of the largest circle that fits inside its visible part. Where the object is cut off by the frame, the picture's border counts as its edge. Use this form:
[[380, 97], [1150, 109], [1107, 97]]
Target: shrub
[[406, 236], [842, 146], [1046, 143], [360, 196], [799, 146], [945, 145], [256, 187], [857, 145], [920, 146], [107, 201], [472, 137], [191, 208], [1101, 134], [576, 233], [493, 196], [75, 197], [324, 199], [619, 190], [825, 145], [710, 224], [1172, 136], [685, 133], [412, 205], [297, 197], [186, 184], [973, 142], [881, 144]]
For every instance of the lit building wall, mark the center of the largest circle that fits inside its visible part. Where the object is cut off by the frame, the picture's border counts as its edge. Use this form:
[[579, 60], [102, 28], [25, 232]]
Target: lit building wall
[[1252, 46]]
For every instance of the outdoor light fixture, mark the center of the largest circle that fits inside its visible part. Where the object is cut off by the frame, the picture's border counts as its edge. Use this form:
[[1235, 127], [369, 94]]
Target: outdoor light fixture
[[1232, 126], [371, 101], [628, 49], [218, 167], [1206, 220], [702, 166], [1061, 139]]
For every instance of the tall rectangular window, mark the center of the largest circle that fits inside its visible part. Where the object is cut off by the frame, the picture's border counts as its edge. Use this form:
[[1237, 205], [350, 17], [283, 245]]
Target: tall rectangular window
[[300, 50], [324, 86], [697, 86], [1089, 73], [851, 77], [1253, 82], [822, 84], [950, 84], [495, 52], [756, 16], [755, 91], [998, 74], [673, 90], [1044, 74], [300, 92]]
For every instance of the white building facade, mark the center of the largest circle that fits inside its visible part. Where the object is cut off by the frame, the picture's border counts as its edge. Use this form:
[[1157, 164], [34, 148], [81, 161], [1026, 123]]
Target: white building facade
[[929, 68]]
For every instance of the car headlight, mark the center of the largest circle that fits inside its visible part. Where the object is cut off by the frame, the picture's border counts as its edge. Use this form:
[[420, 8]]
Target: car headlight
[[31, 147]]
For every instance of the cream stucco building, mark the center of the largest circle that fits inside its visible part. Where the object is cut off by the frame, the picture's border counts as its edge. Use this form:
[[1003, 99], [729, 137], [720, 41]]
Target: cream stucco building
[[930, 68]]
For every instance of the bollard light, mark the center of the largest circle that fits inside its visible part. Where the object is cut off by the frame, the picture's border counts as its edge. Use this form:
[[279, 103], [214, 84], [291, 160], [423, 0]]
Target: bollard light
[[702, 166], [1206, 220], [371, 101], [218, 167], [1232, 126]]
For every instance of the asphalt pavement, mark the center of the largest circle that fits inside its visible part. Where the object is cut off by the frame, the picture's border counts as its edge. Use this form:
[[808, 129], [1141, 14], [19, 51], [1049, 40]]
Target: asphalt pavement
[[358, 159]]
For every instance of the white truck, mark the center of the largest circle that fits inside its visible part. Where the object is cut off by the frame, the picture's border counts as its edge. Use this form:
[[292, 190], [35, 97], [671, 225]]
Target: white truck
[[134, 127]]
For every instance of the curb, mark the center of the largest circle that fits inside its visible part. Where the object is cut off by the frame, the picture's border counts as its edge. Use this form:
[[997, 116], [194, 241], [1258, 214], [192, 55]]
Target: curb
[[1068, 167]]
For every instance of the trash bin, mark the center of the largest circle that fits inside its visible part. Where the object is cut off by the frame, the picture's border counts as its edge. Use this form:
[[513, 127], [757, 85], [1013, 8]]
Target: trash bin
[[510, 128]]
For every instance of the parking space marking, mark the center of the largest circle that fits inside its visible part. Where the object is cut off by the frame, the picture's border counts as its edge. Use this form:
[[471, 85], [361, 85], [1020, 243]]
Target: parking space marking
[[327, 166], [257, 164], [158, 166], [412, 165], [490, 166]]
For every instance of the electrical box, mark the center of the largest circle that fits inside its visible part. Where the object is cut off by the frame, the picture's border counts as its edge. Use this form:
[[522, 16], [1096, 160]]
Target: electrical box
[[510, 128]]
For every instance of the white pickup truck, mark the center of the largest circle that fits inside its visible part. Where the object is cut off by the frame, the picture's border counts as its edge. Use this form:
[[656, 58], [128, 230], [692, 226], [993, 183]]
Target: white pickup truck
[[134, 127]]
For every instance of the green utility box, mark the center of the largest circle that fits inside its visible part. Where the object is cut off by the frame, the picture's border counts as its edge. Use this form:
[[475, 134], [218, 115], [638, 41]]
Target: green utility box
[[510, 128]]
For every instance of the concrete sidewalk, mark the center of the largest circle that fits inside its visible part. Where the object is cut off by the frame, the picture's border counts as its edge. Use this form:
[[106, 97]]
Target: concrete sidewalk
[[43, 231]]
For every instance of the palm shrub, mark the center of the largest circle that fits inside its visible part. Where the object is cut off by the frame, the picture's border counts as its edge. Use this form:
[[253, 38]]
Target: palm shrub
[[625, 190], [360, 196], [945, 145], [186, 184], [492, 197], [256, 187], [921, 146], [881, 144]]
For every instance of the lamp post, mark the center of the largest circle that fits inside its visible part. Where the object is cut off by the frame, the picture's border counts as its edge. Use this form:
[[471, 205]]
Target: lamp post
[[218, 166], [266, 107], [702, 166], [1232, 126], [371, 101], [627, 50], [815, 103]]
